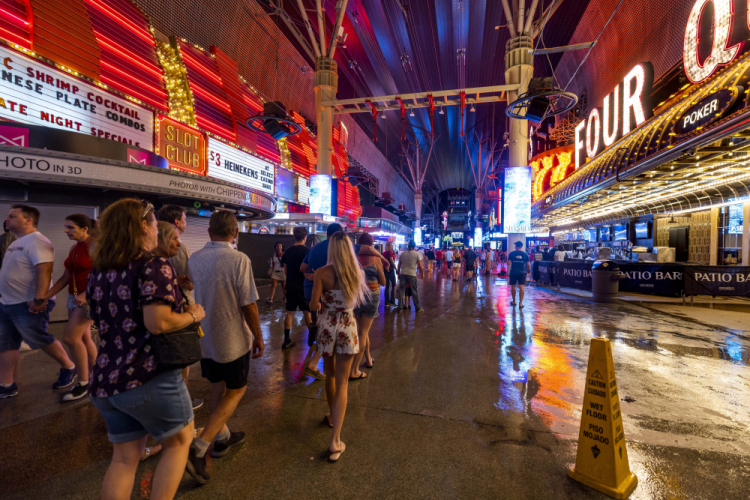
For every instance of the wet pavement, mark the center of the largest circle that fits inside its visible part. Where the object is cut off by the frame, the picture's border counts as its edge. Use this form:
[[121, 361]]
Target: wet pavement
[[471, 399]]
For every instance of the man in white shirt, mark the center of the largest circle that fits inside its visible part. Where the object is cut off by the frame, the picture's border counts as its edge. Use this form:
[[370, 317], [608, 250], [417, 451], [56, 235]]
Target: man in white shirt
[[224, 286], [408, 263], [24, 312], [449, 261]]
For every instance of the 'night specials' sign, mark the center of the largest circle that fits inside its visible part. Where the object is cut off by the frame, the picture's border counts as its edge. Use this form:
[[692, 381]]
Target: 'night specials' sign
[[32, 92], [234, 165]]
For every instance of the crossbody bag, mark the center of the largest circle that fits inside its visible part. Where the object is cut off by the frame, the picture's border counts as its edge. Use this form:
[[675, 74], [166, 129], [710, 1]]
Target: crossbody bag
[[178, 349]]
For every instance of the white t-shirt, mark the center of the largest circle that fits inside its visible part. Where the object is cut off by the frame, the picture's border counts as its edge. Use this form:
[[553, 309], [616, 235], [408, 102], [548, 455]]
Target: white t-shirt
[[449, 256], [408, 262], [18, 274], [559, 256], [483, 255]]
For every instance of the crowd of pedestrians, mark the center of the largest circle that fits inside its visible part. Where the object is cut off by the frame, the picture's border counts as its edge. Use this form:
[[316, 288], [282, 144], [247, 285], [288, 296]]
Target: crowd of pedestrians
[[139, 305]]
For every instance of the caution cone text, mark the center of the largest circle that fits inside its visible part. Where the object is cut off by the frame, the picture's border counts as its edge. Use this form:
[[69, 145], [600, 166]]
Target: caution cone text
[[602, 458]]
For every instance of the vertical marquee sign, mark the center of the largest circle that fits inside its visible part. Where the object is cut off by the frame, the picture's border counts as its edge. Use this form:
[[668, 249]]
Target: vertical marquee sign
[[184, 147], [517, 200]]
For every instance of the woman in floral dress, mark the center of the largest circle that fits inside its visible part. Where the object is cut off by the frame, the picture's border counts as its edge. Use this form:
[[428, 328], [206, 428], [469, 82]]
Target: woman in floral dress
[[338, 288], [133, 296]]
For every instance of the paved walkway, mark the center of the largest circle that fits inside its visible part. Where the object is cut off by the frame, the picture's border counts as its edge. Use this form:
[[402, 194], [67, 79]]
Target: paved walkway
[[471, 399]]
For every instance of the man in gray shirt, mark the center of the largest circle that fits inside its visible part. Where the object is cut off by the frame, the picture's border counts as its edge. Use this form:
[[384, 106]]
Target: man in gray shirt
[[224, 286], [408, 263]]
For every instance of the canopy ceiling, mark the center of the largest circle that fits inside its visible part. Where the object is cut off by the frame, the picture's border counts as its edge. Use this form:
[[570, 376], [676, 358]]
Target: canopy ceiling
[[407, 46]]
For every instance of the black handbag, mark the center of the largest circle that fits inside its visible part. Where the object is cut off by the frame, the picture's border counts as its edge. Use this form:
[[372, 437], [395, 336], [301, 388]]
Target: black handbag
[[179, 349]]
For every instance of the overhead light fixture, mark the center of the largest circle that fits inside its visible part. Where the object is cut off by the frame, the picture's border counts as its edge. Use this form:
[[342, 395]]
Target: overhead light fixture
[[441, 111], [383, 115], [411, 113], [473, 110]]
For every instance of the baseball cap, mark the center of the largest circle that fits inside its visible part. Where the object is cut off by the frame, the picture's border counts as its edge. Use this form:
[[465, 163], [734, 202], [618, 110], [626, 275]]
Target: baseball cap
[[518, 244]]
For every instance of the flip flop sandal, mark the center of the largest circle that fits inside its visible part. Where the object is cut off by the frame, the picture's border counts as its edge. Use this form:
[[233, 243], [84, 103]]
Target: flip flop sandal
[[149, 453], [327, 420], [335, 455], [361, 376], [369, 367]]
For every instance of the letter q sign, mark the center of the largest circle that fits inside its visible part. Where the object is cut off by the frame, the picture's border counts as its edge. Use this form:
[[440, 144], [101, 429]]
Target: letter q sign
[[721, 53]]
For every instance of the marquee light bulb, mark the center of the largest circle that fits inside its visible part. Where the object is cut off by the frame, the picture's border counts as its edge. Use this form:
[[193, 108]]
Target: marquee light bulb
[[579, 144], [633, 99], [593, 137], [608, 136], [721, 53]]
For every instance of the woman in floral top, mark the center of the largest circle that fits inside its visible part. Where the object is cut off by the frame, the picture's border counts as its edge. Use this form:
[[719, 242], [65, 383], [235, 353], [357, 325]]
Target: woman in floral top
[[133, 296]]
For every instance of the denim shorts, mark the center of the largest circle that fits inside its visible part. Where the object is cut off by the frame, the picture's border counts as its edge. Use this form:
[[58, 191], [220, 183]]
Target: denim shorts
[[17, 324], [161, 407], [370, 306]]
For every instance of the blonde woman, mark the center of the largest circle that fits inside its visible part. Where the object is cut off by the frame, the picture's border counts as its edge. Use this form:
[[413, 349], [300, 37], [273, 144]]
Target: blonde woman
[[338, 288], [277, 275]]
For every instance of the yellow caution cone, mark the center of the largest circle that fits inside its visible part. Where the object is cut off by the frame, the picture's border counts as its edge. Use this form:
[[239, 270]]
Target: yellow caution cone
[[602, 458]]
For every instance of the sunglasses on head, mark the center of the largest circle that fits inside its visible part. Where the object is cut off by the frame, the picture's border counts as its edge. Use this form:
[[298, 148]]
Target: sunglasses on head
[[147, 207]]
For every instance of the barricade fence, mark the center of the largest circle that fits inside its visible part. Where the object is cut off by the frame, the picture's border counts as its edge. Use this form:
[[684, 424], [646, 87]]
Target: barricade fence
[[663, 279]]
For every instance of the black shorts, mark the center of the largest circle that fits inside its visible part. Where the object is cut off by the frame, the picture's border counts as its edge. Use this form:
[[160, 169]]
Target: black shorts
[[234, 373], [295, 299], [517, 279]]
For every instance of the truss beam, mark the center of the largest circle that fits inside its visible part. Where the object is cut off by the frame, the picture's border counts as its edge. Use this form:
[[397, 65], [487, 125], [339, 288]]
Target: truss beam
[[422, 99]]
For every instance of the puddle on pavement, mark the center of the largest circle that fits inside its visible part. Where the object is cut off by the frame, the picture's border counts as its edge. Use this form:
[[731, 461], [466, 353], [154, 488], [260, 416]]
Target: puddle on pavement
[[733, 351], [539, 361]]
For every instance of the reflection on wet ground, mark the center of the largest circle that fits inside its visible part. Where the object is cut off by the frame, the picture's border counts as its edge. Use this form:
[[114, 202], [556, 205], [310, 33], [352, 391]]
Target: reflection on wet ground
[[473, 398]]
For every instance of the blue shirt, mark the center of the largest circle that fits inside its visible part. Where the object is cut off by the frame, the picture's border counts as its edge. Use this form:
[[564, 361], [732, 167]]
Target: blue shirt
[[316, 258], [518, 260]]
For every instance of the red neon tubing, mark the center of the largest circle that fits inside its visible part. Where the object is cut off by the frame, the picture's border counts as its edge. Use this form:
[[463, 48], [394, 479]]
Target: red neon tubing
[[159, 105], [24, 42], [123, 21], [200, 67], [129, 54], [109, 44], [155, 90], [214, 127], [205, 95], [24, 21]]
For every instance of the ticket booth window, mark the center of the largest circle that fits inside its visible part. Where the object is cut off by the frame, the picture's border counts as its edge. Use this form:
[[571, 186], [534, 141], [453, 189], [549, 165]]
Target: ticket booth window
[[731, 222]]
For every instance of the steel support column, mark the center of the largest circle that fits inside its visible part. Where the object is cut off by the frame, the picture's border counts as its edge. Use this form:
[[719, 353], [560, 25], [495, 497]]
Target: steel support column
[[326, 86], [519, 70]]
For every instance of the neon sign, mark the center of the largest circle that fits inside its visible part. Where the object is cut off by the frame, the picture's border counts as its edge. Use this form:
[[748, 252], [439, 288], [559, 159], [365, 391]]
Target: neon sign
[[721, 52], [626, 115]]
